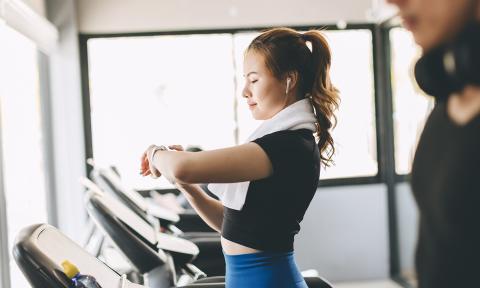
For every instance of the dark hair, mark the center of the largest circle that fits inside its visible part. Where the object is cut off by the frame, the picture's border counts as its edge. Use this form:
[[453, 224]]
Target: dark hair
[[285, 50]]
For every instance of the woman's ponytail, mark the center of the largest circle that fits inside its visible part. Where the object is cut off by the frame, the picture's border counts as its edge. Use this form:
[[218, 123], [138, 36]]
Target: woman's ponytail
[[323, 95]]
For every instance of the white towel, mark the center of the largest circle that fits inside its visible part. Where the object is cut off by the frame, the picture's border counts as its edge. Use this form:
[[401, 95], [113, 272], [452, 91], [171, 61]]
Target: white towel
[[298, 115]]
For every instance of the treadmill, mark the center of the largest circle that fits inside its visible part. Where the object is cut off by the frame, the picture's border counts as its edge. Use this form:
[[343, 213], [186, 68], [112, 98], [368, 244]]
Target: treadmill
[[40, 249]]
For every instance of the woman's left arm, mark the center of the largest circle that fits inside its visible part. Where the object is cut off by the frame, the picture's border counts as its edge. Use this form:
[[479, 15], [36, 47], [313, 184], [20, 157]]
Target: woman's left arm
[[241, 163]]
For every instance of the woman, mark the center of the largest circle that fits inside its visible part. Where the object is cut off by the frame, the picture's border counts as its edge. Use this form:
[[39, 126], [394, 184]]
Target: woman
[[445, 172], [266, 184]]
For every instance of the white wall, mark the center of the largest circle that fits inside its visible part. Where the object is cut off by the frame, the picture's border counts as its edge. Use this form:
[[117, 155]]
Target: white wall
[[345, 234], [114, 16]]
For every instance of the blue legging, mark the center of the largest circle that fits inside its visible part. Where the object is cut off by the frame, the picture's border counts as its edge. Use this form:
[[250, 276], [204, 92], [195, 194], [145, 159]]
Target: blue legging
[[263, 270]]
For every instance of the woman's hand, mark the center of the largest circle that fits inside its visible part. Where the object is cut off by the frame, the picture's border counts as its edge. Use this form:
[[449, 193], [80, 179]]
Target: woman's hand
[[146, 163]]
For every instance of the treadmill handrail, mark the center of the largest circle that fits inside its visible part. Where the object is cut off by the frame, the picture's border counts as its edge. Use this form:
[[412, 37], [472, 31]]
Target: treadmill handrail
[[126, 215], [137, 199], [161, 240]]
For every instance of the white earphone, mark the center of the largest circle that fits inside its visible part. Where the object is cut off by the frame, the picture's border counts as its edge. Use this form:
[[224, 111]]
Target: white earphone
[[288, 85]]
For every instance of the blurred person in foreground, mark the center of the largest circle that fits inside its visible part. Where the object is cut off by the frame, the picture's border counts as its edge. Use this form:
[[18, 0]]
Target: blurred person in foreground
[[446, 169]]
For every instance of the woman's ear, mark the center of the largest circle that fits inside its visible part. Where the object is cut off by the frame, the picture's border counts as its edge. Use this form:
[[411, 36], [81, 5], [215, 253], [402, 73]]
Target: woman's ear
[[291, 80]]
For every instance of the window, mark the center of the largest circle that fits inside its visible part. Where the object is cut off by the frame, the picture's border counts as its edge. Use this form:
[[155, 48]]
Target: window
[[186, 89], [411, 107], [161, 89], [355, 134], [23, 169]]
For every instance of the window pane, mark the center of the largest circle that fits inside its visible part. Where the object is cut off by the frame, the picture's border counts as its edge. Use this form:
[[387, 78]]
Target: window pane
[[22, 139], [355, 134], [162, 90], [410, 106], [352, 73]]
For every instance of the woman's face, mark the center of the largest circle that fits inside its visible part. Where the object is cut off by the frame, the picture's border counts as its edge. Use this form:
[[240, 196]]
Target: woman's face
[[265, 94], [434, 21]]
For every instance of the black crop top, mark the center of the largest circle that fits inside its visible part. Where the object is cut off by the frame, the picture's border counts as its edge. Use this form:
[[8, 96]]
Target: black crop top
[[275, 205]]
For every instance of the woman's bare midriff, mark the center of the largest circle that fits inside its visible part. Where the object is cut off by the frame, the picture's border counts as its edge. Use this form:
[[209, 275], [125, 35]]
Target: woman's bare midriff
[[232, 248]]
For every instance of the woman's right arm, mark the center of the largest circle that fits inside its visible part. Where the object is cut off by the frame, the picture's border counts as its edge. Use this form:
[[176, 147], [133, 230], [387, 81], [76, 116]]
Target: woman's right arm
[[209, 209], [241, 163]]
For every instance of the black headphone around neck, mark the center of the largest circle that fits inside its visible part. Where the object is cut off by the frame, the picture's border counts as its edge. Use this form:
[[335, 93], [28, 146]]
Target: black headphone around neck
[[450, 67]]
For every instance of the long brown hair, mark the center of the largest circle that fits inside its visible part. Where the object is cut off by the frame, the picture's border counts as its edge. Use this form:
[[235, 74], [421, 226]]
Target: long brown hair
[[285, 50]]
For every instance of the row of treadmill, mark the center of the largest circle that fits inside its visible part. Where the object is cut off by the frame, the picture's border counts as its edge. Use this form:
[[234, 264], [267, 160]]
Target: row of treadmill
[[130, 242]]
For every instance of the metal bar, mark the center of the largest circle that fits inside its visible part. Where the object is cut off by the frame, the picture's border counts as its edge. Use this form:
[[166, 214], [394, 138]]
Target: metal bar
[[385, 138], [47, 137]]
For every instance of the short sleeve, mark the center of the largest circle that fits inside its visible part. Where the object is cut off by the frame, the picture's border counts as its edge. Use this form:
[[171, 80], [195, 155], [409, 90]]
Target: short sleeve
[[288, 152]]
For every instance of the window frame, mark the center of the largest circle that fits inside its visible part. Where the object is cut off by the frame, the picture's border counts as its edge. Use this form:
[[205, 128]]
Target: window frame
[[395, 178], [392, 178]]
